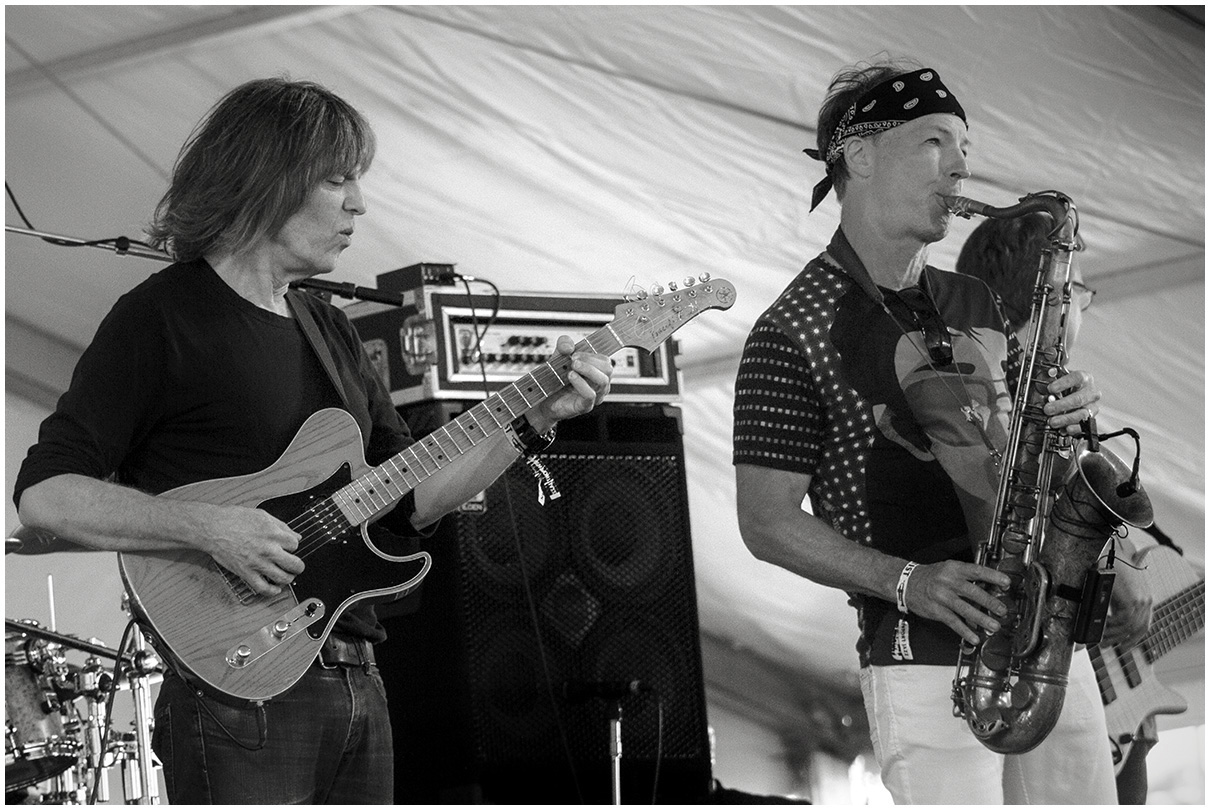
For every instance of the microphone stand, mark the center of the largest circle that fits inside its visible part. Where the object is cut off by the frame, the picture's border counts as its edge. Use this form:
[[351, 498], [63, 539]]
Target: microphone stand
[[615, 748], [120, 245], [123, 247], [139, 773]]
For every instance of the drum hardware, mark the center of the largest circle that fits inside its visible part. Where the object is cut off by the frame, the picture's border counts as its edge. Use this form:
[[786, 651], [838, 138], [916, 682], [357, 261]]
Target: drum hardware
[[57, 735], [36, 745], [139, 771]]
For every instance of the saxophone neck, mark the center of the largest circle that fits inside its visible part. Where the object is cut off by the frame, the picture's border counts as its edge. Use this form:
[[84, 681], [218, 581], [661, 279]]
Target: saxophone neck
[[1056, 204]]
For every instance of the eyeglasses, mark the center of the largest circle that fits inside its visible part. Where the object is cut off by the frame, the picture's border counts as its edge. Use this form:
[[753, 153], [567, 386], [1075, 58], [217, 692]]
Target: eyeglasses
[[928, 321], [1082, 294]]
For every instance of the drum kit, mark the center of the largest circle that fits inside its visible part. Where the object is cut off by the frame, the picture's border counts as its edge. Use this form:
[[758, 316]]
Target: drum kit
[[59, 744]]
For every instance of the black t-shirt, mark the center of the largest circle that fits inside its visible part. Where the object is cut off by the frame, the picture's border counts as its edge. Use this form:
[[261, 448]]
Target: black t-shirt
[[187, 381]]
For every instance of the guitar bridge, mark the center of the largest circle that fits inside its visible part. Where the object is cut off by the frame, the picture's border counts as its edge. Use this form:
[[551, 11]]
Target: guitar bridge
[[272, 636]]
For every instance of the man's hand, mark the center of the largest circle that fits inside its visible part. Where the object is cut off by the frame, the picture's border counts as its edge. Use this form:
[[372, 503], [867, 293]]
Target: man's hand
[[1077, 398], [947, 592], [1129, 605], [253, 545], [587, 384]]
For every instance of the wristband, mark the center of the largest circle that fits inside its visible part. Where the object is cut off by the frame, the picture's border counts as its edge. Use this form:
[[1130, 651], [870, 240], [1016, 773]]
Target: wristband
[[901, 588], [528, 441]]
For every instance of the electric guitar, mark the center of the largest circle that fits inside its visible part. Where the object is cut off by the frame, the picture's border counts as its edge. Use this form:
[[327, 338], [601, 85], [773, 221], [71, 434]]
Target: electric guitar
[[1129, 689], [251, 647]]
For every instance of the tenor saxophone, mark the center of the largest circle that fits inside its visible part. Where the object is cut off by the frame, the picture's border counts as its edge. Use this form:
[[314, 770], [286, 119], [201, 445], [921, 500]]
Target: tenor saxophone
[[1010, 686]]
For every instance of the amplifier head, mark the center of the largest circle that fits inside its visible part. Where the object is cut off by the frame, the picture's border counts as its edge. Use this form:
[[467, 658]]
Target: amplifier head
[[444, 343]]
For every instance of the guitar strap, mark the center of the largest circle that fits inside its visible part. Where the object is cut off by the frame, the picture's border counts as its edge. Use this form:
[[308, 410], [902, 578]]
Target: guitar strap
[[303, 315]]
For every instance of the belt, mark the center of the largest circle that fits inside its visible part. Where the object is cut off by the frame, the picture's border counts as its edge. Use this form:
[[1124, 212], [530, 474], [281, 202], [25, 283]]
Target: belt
[[345, 652]]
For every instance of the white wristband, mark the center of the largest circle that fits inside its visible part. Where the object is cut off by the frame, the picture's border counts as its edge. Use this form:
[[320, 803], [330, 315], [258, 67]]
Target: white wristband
[[901, 588]]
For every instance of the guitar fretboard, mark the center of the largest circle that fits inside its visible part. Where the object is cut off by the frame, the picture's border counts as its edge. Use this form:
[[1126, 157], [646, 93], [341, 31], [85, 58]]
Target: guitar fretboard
[[1174, 620], [385, 484]]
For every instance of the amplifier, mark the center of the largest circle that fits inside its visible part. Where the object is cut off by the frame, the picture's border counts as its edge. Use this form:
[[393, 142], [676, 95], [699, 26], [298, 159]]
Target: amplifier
[[426, 349]]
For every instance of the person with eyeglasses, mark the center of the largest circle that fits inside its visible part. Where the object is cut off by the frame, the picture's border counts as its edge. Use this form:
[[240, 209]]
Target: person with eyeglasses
[[1005, 254], [876, 389]]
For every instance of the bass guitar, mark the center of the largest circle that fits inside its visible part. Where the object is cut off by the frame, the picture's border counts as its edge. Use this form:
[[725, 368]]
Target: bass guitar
[[251, 647], [1129, 689]]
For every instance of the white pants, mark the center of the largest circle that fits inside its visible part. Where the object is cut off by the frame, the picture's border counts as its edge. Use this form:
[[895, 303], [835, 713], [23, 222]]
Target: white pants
[[928, 756]]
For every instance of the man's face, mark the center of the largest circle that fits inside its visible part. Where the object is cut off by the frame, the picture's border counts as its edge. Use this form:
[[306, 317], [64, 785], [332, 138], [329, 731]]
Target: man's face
[[916, 165], [312, 239]]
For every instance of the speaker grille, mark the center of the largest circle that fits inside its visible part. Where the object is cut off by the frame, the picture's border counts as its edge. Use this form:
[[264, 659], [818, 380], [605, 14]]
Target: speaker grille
[[594, 586], [610, 570]]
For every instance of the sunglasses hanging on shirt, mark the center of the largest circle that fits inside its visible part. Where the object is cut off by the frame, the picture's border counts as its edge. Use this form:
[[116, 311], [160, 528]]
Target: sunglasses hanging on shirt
[[928, 320]]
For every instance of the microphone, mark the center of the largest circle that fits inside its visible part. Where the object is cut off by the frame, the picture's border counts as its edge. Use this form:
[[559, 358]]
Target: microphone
[[583, 691], [348, 290]]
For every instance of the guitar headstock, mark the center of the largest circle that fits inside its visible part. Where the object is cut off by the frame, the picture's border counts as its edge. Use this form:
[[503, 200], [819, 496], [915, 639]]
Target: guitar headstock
[[647, 319]]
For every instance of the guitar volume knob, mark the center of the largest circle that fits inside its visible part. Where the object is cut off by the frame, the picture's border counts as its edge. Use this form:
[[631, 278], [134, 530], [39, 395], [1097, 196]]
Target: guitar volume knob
[[240, 656]]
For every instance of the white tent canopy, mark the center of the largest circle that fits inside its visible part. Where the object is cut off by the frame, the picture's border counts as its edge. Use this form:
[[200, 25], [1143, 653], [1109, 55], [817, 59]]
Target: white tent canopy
[[575, 148]]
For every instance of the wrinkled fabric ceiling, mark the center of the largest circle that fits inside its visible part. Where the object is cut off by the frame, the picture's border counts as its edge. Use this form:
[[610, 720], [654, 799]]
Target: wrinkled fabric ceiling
[[576, 148]]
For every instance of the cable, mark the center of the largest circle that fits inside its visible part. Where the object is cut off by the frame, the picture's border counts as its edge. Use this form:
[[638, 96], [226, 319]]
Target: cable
[[659, 744], [17, 205], [530, 601], [479, 336]]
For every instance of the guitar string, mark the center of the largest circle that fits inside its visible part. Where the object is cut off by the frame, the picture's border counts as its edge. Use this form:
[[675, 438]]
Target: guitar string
[[1165, 635]]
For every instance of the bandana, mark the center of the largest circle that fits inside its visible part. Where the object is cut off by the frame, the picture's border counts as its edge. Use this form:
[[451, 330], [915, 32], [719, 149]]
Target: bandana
[[893, 102]]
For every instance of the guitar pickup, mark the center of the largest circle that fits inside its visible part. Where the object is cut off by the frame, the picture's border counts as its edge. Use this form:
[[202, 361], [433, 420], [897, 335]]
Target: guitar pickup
[[271, 636]]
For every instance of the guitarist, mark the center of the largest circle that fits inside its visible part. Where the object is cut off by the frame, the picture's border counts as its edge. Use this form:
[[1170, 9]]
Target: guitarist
[[206, 370], [1004, 253]]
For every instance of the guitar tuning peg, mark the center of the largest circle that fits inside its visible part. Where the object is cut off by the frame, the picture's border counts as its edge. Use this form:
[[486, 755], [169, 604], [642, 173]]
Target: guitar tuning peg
[[689, 281], [640, 295], [704, 277], [672, 286], [657, 290]]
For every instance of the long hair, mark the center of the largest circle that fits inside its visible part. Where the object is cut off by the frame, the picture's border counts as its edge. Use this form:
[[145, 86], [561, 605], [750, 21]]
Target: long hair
[[847, 86], [251, 163]]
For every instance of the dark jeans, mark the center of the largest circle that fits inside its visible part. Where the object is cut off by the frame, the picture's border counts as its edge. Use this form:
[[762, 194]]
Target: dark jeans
[[327, 741]]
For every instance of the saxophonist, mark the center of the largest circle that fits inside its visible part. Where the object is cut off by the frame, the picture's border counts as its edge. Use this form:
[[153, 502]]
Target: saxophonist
[[879, 388]]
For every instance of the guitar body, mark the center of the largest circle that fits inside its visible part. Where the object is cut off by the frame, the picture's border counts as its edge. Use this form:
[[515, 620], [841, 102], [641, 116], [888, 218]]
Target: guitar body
[[1129, 688], [251, 647]]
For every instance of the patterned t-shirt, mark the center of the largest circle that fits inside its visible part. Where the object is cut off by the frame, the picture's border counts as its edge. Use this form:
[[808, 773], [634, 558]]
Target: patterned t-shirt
[[836, 383]]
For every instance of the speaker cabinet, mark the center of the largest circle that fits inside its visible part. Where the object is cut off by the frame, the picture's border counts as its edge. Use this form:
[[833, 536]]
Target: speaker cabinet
[[529, 605]]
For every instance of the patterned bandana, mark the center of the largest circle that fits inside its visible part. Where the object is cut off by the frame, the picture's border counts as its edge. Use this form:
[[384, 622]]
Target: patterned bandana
[[893, 102]]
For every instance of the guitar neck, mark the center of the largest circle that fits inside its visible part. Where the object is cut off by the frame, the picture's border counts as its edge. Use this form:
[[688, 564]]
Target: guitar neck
[[383, 486], [1174, 620]]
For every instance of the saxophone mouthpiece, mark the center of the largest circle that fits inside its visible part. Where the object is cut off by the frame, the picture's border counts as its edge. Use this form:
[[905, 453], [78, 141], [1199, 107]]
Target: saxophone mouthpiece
[[964, 207]]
